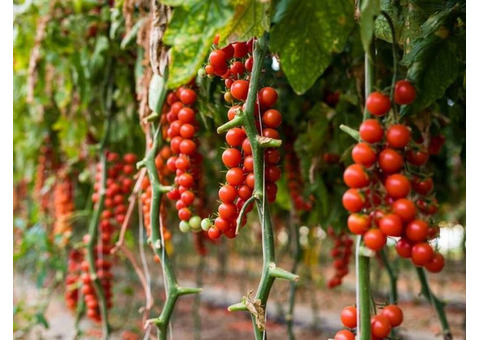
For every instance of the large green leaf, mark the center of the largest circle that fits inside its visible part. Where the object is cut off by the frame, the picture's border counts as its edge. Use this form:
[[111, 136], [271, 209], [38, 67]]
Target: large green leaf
[[190, 33], [250, 20], [306, 35], [369, 9]]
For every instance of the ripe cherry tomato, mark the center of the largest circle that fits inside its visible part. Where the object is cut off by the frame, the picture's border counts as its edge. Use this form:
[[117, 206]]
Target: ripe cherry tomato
[[436, 264], [186, 115], [417, 157], [227, 193], [214, 233], [272, 156], [404, 92], [359, 223], [390, 161], [188, 96], [380, 326], [374, 239], [272, 118], [397, 186], [217, 58], [371, 131], [235, 176], [273, 173], [394, 315], [391, 225], [239, 89], [405, 209], [343, 334], [422, 253], [267, 97], [417, 231], [227, 211], [232, 157], [422, 186], [355, 176], [398, 136], [184, 214], [237, 69], [378, 104], [240, 49], [363, 154], [353, 200], [348, 316]]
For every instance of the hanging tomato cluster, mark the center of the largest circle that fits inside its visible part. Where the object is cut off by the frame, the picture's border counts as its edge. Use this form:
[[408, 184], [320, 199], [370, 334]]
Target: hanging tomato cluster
[[75, 258], [390, 316], [380, 199], [234, 63], [64, 206], [341, 253], [294, 180], [185, 160], [119, 184]]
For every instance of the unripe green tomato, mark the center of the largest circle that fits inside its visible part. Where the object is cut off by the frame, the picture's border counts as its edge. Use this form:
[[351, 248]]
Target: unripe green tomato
[[184, 227], [195, 222], [206, 224]]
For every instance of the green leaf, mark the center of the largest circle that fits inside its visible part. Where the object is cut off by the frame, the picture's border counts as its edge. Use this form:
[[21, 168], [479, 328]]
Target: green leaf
[[251, 19], [190, 33], [306, 35], [369, 10]]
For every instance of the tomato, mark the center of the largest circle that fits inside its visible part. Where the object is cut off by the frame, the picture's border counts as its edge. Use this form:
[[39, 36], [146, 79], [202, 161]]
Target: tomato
[[272, 156], [398, 136], [359, 223], [380, 326], [184, 214], [237, 69], [378, 104], [397, 186], [235, 176], [232, 157], [267, 97], [227, 193], [436, 264], [272, 118], [355, 176], [417, 231], [348, 316], [249, 64], [188, 147], [229, 51], [353, 200], [363, 154], [248, 163], [245, 192], [390, 161], [405, 209], [371, 131], [227, 211], [187, 197], [130, 158], [344, 335], [391, 225], [214, 233], [374, 239], [239, 89], [273, 173], [182, 163], [246, 147], [187, 131], [417, 157], [270, 133], [240, 49], [235, 136], [250, 180], [422, 253], [188, 96], [436, 144], [394, 315], [422, 186], [217, 58], [404, 92], [222, 224], [186, 115], [186, 180]]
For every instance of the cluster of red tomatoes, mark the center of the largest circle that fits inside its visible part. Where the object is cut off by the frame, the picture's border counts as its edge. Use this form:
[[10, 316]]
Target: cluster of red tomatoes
[[294, 180], [380, 199], [390, 316], [342, 252], [75, 258], [234, 64], [185, 160], [118, 185], [64, 206]]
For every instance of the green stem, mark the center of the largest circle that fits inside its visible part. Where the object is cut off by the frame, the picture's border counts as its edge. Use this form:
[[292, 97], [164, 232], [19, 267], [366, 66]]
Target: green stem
[[297, 251], [438, 305], [395, 58], [270, 271], [392, 275], [363, 291], [93, 226], [173, 290]]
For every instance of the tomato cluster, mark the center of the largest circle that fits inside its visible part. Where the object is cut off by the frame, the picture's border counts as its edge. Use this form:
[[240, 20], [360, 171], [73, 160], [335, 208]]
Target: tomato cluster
[[119, 184], [63, 208], [234, 63], [390, 316], [294, 180], [341, 253], [185, 160], [385, 198], [75, 258]]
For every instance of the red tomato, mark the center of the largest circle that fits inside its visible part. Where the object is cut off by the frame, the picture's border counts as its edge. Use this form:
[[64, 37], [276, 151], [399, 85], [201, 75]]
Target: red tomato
[[394, 315], [348, 316], [398, 136], [374, 239], [391, 225], [371, 131], [355, 176], [359, 223], [390, 161], [404, 92], [353, 200], [417, 231], [380, 326], [267, 97], [397, 186], [239, 89], [405, 209], [363, 154], [422, 253], [378, 104], [436, 264]]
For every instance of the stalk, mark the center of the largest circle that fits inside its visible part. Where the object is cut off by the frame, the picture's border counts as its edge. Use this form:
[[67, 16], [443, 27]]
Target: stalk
[[438, 305], [295, 234], [270, 271], [173, 289], [392, 275]]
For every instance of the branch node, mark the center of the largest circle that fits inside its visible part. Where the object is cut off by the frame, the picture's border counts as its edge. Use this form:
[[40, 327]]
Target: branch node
[[188, 290], [351, 132], [141, 164], [237, 121], [151, 117], [280, 273], [165, 188], [267, 142], [238, 307]]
